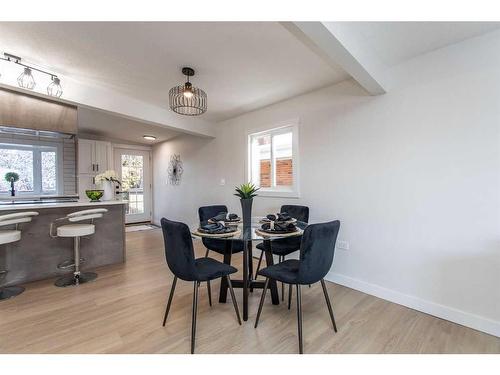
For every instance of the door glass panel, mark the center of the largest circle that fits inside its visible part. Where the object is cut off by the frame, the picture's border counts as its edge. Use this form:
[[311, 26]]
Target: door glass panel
[[133, 182]]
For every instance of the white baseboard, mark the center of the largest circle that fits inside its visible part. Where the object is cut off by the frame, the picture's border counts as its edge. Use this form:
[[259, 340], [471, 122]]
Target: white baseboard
[[445, 312]]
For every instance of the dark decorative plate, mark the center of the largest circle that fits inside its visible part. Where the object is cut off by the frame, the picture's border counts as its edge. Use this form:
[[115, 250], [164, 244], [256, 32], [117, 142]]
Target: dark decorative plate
[[272, 231], [237, 220], [219, 231]]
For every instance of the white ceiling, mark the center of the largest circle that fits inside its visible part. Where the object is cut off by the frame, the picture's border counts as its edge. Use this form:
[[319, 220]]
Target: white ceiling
[[241, 65], [108, 126], [394, 42]]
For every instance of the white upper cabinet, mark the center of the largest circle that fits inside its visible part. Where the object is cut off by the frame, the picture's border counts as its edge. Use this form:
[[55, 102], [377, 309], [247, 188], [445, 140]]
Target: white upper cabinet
[[102, 156], [93, 156]]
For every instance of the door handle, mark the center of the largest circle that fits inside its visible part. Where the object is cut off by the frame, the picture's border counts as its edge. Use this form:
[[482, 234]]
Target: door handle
[[93, 167], [93, 180], [97, 167]]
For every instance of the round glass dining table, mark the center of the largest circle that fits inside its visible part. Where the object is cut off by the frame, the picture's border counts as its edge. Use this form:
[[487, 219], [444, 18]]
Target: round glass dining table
[[247, 234]]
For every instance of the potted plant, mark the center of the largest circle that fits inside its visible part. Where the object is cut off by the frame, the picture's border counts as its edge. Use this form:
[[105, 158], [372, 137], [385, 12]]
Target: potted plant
[[12, 177], [108, 180], [246, 192]]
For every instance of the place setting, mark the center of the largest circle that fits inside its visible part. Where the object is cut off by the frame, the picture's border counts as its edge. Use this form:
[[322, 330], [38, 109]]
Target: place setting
[[220, 226], [279, 224]]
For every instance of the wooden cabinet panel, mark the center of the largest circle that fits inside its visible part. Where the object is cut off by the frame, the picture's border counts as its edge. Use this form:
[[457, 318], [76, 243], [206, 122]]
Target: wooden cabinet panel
[[30, 112]]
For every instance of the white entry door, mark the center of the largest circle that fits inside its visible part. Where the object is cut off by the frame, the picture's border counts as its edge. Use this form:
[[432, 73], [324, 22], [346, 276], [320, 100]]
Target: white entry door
[[134, 170]]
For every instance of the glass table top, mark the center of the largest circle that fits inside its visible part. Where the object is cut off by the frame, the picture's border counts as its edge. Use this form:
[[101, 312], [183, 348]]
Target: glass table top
[[249, 234]]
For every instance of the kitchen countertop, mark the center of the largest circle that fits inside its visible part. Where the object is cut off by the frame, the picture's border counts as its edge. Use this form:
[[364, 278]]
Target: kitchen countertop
[[6, 206]]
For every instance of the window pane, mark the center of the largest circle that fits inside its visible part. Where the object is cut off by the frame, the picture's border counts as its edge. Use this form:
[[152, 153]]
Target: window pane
[[133, 182], [282, 149], [19, 161], [49, 171], [261, 160]]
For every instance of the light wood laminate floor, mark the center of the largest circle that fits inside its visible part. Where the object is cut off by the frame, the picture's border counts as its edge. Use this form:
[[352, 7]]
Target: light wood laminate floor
[[122, 313]]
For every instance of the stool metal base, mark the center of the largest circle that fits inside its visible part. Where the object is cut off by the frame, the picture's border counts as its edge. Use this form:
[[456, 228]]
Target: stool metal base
[[71, 280], [11, 291]]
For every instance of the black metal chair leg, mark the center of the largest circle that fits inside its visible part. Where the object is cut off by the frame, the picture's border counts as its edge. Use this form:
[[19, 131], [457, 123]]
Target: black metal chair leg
[[235, 303], [209, 289], [289, 296], [262, 298], [195, 309], [170, 297], [299, 318], [327, 298], [282, 258], [258, 264]]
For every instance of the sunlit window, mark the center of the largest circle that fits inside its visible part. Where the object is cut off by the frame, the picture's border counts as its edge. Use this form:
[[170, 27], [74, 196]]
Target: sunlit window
[[272, 160], [36, 165]]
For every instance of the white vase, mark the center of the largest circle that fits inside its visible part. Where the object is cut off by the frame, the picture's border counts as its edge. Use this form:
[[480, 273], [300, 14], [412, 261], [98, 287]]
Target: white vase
[[109, 191]]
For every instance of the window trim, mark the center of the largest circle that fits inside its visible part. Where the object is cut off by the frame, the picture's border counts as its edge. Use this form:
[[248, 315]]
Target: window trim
[[37, 146], [282, 127]]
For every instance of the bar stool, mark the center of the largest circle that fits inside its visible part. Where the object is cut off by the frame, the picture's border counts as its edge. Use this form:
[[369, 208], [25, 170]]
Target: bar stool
[[76, 231], [8, 236]]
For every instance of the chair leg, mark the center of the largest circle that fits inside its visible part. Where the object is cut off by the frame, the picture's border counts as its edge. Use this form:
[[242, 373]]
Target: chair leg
[[170, 297], [325, 292], [282, 258], [258, 264], [289, 296], [209, 289], [235, 303], [206, 253], [262, 298], [299, 318], [195, 309]]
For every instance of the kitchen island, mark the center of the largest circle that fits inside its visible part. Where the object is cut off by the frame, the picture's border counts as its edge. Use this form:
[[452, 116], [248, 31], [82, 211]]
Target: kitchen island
[[37, 255]]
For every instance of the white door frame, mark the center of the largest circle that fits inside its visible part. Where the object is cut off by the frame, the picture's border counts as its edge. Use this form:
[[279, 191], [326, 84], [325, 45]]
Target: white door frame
[[119, 149]]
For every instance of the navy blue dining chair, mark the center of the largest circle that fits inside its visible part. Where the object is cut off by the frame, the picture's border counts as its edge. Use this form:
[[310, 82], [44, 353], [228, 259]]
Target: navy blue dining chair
[[219, 246], [316, 257], [285, 246], [179, 254]]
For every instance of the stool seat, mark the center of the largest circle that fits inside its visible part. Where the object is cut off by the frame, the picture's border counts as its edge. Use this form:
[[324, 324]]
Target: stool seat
[[8, 236], [75, 230]]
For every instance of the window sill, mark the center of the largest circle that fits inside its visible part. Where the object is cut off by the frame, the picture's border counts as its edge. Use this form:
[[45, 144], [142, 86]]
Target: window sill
[[278, 194]]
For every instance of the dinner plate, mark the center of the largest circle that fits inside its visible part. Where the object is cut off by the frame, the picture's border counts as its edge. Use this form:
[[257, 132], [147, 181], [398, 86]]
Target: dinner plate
[[263, 233], [216, 235], [266, 220], [235, 221]]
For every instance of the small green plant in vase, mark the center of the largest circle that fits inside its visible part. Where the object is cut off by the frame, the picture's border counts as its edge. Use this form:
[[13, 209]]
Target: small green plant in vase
[[246, 192], [12, 177]]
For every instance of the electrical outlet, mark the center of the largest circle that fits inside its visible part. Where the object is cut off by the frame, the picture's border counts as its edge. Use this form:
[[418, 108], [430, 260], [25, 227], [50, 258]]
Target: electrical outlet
[[222, 182], [343, 245]]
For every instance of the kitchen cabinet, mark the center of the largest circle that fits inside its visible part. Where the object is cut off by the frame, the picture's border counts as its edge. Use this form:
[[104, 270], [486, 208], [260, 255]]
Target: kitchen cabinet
[[94, 157]]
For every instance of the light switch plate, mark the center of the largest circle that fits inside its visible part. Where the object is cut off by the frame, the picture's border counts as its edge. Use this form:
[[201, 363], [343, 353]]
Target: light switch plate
[[222, 182], [343, 245]]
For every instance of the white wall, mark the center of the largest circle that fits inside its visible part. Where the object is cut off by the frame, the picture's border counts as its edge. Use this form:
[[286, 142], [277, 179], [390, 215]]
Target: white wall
[[413, 175], [181, 202]]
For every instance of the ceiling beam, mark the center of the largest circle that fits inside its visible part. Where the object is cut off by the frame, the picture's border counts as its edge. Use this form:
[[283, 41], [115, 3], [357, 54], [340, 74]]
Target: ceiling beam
[[326, 41]]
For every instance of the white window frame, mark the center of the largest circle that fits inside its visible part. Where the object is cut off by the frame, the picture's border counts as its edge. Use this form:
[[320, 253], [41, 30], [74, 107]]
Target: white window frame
[[277, 191], [37, 147]]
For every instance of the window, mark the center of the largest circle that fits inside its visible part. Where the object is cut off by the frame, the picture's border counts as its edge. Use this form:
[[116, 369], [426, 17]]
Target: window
[[273, 161], [36, 164]]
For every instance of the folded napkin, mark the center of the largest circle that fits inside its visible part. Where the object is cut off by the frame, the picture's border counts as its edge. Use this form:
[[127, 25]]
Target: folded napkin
[[224, 216], [282, 216], [215, 228], [279, 226]]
